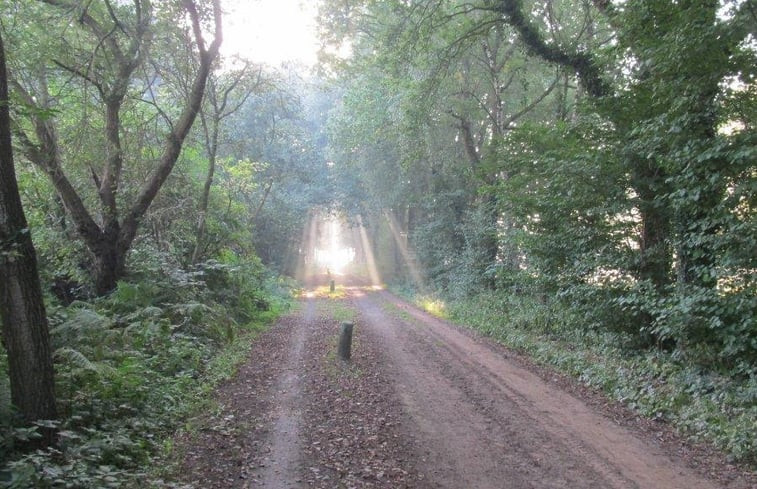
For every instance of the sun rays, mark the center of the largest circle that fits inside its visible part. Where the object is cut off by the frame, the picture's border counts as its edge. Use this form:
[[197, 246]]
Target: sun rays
[[333, 248]]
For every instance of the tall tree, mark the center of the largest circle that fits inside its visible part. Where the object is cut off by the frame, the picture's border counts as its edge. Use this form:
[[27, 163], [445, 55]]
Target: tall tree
[[632, 190], [278, 132], [449, 85], [22, 310], [116, 42]]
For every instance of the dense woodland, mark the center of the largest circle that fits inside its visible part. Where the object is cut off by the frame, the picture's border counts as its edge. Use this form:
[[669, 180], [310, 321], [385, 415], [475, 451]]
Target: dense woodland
[[573, 177]]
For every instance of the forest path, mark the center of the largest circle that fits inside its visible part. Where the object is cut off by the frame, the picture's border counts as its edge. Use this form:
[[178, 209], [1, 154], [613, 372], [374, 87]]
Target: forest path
[[422, 404]]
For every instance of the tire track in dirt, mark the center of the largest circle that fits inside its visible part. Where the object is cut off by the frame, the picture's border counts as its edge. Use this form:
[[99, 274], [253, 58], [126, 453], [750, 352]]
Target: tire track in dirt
[[283, 464], [354, 437], [488, 423], [295, 416], [251, 438]]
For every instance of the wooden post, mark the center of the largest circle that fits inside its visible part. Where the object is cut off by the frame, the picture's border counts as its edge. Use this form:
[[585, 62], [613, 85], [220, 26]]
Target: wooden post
[[345, 341], [332, 287]]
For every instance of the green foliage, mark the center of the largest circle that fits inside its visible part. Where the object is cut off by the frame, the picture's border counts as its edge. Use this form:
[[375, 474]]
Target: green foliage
[[59, 253], [624, 219], [131, 366], [458, 258], [278, 171]]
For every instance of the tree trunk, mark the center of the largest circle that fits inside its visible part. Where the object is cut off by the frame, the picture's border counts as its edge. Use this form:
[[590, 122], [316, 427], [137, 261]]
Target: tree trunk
[[655, 256], [203, 211], [259, 208], [109, 266], [110, 242], [490, 242], [25, 328]]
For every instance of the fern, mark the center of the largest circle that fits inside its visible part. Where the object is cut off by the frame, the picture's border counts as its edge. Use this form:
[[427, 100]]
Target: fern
[[83, 324], [82, 364], [129, 367]]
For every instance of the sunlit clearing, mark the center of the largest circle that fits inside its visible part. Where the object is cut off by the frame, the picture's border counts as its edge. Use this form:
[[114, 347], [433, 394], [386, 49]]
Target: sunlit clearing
[[334, 256], [369, 257], [324, 292], [271, 31], [334, 259], [415, 273]]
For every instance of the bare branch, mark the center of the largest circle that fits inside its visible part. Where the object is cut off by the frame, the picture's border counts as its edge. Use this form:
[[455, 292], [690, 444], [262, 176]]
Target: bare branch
[[468, 141], [151, 102], [175, 139], [113, 17], [195, 18], [100, 32], [83, 75], [45, 155], [528, 108]]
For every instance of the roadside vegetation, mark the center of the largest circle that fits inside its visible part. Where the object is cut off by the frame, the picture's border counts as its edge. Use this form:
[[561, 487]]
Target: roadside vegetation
[[575, 178], [133, 366], [707, 406]]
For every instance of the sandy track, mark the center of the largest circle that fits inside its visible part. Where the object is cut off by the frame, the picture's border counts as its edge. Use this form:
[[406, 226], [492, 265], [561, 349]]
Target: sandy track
[[423, 404], [253, 436], [488, 423]]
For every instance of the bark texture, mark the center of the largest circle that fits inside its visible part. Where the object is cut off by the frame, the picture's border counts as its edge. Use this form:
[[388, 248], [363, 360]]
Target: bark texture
[[22, 310]]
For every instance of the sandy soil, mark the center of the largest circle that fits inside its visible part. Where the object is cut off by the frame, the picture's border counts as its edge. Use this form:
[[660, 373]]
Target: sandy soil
[[422, 404]]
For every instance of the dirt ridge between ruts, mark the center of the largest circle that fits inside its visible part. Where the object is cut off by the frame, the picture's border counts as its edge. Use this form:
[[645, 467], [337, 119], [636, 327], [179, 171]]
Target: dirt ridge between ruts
[[357, 432]]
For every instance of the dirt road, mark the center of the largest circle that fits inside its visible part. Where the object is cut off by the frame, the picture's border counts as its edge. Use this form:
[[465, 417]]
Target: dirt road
[[422, 404]]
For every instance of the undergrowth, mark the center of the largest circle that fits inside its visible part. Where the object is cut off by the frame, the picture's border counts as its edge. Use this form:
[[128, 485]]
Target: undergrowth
[[704, 404], [131, 367]]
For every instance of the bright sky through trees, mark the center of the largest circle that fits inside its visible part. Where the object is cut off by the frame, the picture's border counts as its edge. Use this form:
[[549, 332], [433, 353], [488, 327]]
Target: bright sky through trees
[[271, 31]]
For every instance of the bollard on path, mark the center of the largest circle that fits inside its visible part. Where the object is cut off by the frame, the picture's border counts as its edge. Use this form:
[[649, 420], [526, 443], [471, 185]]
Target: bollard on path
[[345, 341], [332, 287]]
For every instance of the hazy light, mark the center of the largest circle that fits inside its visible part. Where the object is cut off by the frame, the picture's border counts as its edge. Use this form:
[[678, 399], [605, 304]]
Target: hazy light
[[271, 31], [334, 259], [435, 307], [335, 256], [307, 247], [369, 257], [415, 273]]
